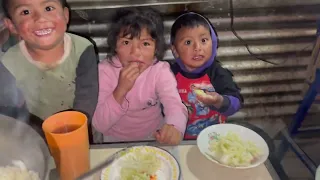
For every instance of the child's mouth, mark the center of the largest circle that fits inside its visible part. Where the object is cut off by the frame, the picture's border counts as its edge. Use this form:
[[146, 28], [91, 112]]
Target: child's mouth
[[198, 58], [43, 32], [137, 61]]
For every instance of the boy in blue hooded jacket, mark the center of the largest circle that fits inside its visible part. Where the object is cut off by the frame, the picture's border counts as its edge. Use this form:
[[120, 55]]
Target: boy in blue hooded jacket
[[206, 88]]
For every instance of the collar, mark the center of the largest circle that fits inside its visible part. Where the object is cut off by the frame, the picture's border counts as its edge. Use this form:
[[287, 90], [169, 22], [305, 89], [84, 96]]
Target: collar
[[44, 66]]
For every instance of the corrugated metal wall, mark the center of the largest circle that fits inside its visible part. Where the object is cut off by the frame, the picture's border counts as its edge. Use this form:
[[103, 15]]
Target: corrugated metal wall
[[282, 31]]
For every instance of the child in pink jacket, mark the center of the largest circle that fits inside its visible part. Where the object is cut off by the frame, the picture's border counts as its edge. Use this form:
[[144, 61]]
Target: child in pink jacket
[[134, 84]]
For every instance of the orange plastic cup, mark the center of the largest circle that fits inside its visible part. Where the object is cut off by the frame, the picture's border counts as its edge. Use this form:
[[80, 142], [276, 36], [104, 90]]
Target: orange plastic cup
[[67, 138]]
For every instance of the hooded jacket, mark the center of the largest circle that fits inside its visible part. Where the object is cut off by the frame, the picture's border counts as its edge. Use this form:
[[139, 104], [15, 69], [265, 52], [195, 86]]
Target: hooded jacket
[[210, 77]]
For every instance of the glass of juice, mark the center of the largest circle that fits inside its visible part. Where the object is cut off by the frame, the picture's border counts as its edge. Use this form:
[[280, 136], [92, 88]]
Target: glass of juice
[[67, 137]]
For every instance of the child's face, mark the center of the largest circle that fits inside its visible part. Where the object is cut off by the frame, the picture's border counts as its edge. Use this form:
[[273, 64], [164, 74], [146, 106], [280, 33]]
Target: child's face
[[139, 49], [41, 23], [193, 46]]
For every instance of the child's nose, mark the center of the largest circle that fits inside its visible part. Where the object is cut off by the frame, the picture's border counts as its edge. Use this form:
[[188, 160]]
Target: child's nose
[[135, 50], [197, 46], [37, 16]]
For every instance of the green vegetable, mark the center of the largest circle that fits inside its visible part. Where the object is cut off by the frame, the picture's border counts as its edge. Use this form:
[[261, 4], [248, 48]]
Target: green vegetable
[[139, 166], [233, 151], [132, 174]]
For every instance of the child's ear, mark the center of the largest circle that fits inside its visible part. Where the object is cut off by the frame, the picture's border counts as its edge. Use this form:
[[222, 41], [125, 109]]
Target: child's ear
[[174, 52], [66, 14], [9, 24]]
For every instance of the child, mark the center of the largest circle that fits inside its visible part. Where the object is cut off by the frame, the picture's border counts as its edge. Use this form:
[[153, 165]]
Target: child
[[54, 70], [133, 83], [206, 88]]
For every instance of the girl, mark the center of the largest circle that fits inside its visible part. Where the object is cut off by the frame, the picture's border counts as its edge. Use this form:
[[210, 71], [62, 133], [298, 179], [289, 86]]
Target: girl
[[133, 83], [205, 87]]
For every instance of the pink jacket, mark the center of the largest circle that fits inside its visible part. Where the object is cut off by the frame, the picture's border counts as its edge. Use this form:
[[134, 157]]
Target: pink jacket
[[140, 115]]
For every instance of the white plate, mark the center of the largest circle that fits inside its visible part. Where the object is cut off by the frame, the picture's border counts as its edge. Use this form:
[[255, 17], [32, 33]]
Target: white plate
[[169, 169], [244, 133]]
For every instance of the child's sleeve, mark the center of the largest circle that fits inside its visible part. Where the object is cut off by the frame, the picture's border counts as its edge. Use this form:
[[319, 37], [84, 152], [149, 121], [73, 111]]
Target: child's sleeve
[[11, 98], [86, 93], [223, 82], [174, 110], [108, 110]]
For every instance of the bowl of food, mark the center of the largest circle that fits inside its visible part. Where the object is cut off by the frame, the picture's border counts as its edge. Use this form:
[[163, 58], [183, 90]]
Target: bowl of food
[[23, 152], [233, 146], [143, 163]]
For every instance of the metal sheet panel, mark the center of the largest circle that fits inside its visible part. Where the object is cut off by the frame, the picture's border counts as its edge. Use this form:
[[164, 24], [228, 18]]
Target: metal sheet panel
[[282, 31]]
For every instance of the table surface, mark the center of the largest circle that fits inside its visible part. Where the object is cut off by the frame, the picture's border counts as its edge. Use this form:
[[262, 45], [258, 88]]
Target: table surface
[[194, 166]]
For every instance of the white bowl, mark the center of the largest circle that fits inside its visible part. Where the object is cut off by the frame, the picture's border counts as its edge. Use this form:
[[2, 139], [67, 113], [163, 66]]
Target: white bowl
[[244, 133]]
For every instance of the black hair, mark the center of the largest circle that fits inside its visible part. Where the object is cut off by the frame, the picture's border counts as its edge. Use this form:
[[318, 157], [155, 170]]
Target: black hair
[[190, 20], [131, 21], [5, 4]]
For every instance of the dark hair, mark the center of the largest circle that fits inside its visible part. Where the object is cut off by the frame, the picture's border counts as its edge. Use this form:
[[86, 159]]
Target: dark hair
[[190, 20], [131, 21], [5, 4]]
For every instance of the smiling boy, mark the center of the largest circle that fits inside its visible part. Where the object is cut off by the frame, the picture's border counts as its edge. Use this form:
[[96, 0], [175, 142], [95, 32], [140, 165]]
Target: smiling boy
[[54, 70]]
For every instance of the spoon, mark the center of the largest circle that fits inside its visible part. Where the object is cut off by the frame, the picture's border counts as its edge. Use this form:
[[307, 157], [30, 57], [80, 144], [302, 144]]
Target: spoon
[[105, 164], [110, 160]]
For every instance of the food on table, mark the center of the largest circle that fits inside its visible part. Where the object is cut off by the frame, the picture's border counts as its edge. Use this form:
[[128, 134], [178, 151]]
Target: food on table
[[231, 150], [17, 172], [140, 166]]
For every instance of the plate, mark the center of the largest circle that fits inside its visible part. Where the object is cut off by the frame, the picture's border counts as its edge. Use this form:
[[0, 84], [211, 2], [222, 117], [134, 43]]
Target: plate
[[245, 134], [169, 168]]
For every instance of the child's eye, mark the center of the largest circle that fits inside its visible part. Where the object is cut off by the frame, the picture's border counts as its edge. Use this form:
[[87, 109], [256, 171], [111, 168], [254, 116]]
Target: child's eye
[[146, 44], [25, 12], [204, 40], [49, 8], [125, 42], [188, 42]]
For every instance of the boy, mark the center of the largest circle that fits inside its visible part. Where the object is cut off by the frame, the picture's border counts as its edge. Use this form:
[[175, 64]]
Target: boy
[[206, 88], [52, 70]]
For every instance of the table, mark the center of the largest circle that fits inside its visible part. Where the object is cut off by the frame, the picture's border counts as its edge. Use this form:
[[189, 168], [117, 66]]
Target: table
[[194, 166], [190, 159]]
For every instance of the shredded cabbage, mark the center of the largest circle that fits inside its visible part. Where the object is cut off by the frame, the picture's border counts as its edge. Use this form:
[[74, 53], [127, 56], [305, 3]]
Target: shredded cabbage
[[139, 166], [233, 151], [17, 172]]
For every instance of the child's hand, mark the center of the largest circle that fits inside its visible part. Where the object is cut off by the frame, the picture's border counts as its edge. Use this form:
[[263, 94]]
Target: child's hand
[[211, 98], [168, 134], [127, 78]]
